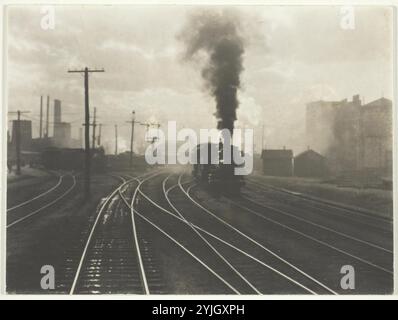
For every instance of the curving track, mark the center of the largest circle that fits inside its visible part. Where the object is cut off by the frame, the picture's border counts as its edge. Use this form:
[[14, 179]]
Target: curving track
[[40, 195], [317, 244], [340, 212], [26, 210], [115, 258], [160, 233], [239, 261], [267, 270], [177, 237], [111, 261]]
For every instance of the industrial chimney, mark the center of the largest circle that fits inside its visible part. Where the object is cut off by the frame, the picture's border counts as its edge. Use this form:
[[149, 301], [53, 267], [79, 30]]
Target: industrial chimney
[[57, 111]]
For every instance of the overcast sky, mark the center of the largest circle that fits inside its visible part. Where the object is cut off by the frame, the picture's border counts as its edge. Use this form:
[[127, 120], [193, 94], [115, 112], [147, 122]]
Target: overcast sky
[[293, 55]]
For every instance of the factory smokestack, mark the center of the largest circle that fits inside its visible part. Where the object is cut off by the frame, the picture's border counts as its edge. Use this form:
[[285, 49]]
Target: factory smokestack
[[216, 34], [57, 111]]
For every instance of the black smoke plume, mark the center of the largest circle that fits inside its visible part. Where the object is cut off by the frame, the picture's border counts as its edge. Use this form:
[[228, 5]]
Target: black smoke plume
[[217, 36]]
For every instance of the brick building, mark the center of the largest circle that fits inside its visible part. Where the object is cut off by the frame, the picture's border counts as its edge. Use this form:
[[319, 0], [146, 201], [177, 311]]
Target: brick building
[[353, 137]]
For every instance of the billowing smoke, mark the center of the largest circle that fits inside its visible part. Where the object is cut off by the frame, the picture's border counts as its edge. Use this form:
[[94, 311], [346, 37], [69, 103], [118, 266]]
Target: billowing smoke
[[216, 34]]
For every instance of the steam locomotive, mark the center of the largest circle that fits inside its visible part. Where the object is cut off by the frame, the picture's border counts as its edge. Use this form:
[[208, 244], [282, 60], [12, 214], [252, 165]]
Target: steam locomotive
[[218, 177]]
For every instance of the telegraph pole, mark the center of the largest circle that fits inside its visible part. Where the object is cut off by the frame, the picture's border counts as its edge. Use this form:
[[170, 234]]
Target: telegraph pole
[[86, 72], [132, 137], [115, 139], [41, 117], [94, 125], [17, 132], [148, 125], [99, 135], [158, 126], [48, 112]]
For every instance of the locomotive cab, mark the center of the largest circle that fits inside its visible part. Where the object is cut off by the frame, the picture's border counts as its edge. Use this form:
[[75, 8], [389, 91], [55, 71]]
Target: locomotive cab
[[218, 177]]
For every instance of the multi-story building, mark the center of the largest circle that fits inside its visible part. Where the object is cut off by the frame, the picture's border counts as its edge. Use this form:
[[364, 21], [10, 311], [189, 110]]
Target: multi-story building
[[320, 117], [25, 134], [352, 136], [376, 138]]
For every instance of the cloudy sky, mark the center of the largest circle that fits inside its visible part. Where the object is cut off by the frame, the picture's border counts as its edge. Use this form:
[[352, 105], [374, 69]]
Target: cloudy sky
[[293, 55]]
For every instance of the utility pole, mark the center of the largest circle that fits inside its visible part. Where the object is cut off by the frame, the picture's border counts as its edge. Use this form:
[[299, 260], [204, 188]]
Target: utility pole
[[157, 137], [41, 118], [99, 135], [148, 125], [17, 132], [94, 125], [262, 139], [115, 139], [86, 72], [132, 137], [48, 112]]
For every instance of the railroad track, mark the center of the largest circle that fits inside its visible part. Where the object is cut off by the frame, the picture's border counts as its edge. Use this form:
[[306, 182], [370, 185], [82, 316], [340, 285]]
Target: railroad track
[[30, 208], [227, 261], [265, 256], [374, 238], [118, 258], [374, 261], [111, 261], [354, 214], [176, 242], [259, 210], [239, 259], [24, 203]]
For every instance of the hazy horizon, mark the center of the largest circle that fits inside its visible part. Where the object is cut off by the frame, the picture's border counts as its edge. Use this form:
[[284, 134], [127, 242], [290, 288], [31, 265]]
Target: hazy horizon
[[292, 55]]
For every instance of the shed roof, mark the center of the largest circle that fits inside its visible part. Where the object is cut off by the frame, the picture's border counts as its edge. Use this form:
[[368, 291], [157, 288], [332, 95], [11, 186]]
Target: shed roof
[[309, 153], [277, 154]]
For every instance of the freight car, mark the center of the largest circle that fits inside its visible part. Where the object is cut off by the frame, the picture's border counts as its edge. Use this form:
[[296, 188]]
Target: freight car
[[72, 159], [218, 176]]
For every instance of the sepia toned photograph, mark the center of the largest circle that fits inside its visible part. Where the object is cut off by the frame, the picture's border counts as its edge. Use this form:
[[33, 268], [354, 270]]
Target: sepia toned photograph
[[198, 150]]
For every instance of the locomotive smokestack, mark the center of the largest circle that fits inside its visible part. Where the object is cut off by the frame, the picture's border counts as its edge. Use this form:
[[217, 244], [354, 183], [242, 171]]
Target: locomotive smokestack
[[217, 35]]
